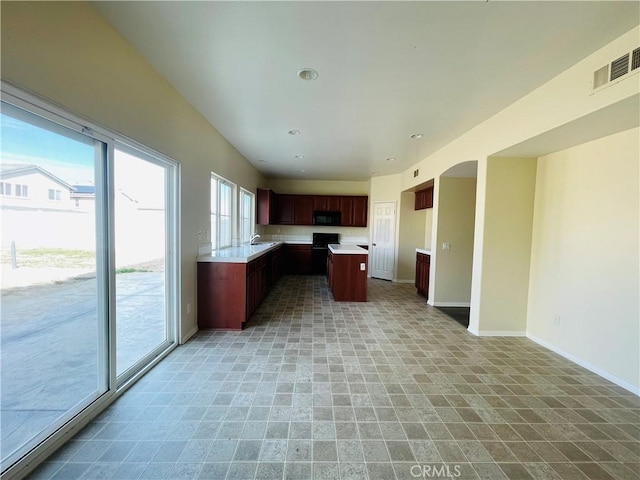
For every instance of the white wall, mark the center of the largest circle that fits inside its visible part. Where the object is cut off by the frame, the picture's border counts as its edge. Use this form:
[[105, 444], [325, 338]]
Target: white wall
[[412, 224], [584, 278], [450, 283]]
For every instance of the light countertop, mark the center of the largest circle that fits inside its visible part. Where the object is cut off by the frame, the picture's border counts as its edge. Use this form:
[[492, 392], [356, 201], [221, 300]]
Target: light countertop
[[347, 249], [422, 250], [241, 254]]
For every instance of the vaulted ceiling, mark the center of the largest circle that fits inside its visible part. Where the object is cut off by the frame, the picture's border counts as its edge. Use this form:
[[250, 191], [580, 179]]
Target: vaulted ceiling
[[386, 71]]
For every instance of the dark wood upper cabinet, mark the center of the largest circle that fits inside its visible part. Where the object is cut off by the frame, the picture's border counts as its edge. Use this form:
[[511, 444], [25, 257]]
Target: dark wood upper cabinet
[[424, 198], [360, 211], [303, 209], [265, 206], [346, 210], [320, 202], [284, 210], [333, 203], [287, 209]]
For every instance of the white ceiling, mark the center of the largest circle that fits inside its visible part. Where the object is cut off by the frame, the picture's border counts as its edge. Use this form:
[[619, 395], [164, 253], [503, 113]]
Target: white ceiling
[[386, 70]]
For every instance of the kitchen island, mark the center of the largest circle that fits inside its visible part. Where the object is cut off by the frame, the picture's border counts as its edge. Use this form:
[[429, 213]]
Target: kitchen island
[[347, 266], [233, 281]]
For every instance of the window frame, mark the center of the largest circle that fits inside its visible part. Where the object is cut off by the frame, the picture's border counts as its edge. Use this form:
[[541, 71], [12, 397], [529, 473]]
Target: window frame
[[22, 191], [245, 237], [217, 233]]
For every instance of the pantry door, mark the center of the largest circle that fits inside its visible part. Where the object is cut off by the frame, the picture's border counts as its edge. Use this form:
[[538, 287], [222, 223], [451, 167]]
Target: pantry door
[[383, 245]]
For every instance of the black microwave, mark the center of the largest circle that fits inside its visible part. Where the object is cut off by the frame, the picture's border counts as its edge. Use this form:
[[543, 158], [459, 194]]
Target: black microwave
[[325, 217]]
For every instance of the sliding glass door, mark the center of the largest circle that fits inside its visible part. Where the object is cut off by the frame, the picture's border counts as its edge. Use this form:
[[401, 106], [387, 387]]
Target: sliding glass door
[[88, 286], [53, 328], [141, 233]]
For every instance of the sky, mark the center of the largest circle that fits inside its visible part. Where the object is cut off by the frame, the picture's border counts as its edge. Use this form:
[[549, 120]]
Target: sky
[[70, 156], [68, 159]]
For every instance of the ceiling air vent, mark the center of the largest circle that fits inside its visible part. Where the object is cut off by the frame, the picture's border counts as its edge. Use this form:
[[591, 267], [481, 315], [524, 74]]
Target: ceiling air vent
[[635, 59], [600, 77], [620, 67]]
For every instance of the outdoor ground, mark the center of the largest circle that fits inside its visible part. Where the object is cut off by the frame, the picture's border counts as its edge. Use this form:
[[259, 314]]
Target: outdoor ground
[[50, 340]]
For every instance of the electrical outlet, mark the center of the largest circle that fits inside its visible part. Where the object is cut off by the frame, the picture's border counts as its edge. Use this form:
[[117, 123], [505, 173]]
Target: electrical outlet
[[188, 308], [362, 267], [556, 320]]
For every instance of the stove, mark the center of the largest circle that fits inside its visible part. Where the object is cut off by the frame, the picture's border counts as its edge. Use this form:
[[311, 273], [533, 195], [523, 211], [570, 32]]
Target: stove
[[320, 249], [322, 240]]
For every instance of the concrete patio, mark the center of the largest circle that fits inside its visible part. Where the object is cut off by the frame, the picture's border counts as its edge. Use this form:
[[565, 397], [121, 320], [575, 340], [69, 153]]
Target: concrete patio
[[49, 347]]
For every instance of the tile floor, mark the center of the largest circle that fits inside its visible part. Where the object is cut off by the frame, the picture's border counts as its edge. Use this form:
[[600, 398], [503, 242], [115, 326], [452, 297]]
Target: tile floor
[[391, 388]]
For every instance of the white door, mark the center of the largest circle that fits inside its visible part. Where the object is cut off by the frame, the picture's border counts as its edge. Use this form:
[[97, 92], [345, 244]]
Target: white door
[[383, 245]]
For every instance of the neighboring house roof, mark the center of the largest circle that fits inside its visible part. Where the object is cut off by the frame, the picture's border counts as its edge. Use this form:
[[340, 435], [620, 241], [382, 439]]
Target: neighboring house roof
[[83, 191], [12, 170]]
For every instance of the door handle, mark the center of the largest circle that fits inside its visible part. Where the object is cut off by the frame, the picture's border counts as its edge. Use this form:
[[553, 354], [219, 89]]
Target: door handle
[[373, 244]]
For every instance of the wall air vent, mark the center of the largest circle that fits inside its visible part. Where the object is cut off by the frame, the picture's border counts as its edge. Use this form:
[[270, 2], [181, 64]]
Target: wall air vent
[[635, 59], [600, 77], [616, 69], [620, 67]]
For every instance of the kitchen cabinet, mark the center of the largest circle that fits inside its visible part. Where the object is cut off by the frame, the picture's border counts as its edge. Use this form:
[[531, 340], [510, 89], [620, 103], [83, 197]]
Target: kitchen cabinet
[[285, 210], [424, 198], [228, 293], [265, 206], [354, 211], [346, 211], [297, 259], [423, 262], [303, 209], [320, 202], [346, 278], [360, 211], [333, 203], [288, 209]]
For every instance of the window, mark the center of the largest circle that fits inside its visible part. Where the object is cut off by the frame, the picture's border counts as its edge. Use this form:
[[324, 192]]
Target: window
[[55, 195], [22, 191], [246, 215], [221, 209], [5, 188]]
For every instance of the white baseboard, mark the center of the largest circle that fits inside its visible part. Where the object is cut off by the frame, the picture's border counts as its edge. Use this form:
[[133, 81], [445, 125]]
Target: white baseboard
[[497, 333], [592, 368], [189, 334], [451, 304]]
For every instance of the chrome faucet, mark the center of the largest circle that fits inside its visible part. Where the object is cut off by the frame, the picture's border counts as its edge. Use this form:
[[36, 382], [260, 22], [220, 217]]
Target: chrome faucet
[[252, 239]]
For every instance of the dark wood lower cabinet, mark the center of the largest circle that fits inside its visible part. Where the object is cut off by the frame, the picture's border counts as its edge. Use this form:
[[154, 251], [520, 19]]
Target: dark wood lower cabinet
[[423, 261], [298, 259], [228, 293], [347, 281]]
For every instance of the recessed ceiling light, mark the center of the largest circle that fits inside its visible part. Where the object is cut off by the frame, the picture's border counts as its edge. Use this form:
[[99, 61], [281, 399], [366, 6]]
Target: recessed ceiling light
[[391, 159], [299, 156], [416, 136], [294, 132], [308, 74], [262, 161], [302, 171]]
